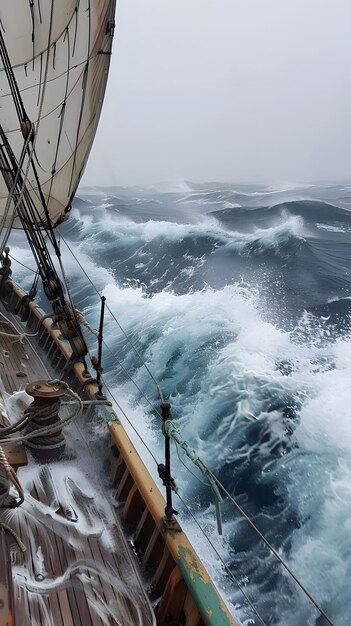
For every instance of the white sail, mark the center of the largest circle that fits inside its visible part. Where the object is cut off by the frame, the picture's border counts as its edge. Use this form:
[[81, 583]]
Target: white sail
[[60, 54]]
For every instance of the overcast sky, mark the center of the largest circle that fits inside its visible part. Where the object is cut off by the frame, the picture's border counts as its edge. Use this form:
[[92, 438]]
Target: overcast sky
[[227, 90]]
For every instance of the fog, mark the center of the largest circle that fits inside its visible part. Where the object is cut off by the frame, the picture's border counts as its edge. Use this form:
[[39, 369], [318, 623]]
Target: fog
[[226, 90]]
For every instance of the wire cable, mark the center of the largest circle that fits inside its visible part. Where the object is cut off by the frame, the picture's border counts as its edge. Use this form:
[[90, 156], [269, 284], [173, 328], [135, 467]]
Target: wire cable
[[270, 547], [129, 421], [125, 371], [118, 323], [123, 368], [229, 572], [30, 269], [188, 468]]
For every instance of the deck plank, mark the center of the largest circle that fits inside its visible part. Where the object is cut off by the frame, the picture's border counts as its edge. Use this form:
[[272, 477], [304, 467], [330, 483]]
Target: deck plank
[[61, 557], [55, 602]]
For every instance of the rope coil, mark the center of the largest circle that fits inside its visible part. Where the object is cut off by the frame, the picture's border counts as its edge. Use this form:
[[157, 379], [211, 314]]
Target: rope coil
[[42, 413], [37, 419]]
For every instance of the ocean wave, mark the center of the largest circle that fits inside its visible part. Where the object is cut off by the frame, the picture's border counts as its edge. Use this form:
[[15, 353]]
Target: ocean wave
[[333, 228], [289, 230], [261, 240]]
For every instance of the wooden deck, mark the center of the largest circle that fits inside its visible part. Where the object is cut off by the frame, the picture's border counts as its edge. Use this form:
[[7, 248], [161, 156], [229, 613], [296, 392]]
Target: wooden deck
[[78, 569]]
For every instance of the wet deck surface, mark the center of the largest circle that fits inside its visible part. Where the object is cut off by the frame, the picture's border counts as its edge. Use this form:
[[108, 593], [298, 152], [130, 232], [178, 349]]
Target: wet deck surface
[[77, 568], [19, 363]]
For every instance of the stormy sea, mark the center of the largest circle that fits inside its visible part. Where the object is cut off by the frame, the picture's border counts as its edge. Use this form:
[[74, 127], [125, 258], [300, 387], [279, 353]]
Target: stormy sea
[[238, 300]]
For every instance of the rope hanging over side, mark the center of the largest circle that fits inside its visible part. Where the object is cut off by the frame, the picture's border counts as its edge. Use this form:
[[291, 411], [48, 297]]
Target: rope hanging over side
[[7, 477]]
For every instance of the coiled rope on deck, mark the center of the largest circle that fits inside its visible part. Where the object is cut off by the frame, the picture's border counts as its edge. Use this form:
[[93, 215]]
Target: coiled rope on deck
[[10, 434], [33, 412]]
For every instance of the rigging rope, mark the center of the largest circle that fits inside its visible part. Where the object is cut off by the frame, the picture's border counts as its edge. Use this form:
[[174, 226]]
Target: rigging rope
[[94, 332], [132, 380], [43, 260], [270, 547], [73, 308], [12, 191], [30, 269], [22, 117], [50, 80], [158, 387], [27, 210], [130, 422], [252, 525], [227, 569], [207, 484], [20, 336]]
